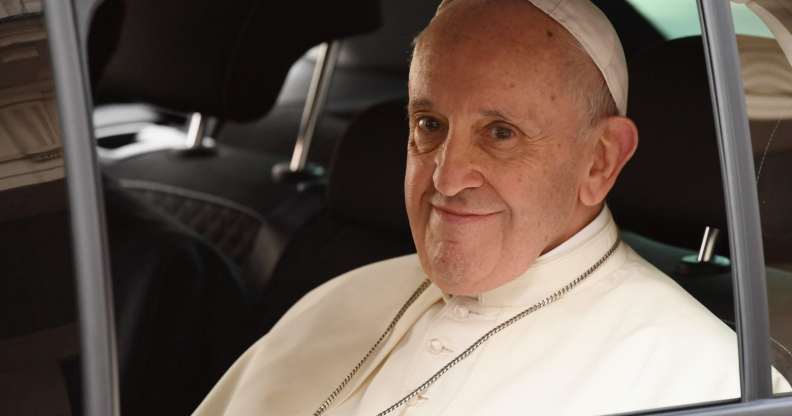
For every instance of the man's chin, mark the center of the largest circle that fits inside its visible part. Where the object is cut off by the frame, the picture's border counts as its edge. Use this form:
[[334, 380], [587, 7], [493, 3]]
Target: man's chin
[[456, 282]]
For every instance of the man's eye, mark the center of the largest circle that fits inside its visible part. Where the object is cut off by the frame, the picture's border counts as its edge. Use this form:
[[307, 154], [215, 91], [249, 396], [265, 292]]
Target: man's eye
[[429, 124], [501, 133]]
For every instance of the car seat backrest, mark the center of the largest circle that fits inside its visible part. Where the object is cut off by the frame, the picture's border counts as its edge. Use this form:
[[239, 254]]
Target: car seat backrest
[[364, 221], [224, 59], [230, 227], [671, 189], [366, 183]]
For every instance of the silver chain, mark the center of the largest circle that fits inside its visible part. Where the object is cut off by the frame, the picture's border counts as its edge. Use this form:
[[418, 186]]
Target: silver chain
[[326, 404], [467, 352]]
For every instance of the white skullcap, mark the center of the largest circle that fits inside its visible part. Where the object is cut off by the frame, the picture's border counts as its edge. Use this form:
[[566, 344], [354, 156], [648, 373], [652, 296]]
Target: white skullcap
[[592, 29]]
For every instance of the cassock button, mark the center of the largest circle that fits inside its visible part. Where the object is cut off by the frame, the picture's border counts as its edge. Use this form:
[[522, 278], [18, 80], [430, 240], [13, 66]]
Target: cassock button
[[435, 346], [419, 399], [461, 312]]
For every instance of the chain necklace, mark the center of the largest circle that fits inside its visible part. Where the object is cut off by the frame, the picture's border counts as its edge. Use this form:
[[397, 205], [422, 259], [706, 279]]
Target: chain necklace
[[467, 352]]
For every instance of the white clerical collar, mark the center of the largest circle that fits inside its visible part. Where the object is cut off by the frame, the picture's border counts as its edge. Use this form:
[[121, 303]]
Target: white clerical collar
[[596, 225], [558, 266]]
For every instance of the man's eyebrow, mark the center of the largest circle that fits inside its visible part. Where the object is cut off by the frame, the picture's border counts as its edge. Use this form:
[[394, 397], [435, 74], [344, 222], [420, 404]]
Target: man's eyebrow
[[419, 104], [529, 124], [494, 114]]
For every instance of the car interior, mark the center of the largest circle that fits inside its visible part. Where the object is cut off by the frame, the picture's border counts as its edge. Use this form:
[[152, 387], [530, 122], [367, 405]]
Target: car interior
[[250, 153]]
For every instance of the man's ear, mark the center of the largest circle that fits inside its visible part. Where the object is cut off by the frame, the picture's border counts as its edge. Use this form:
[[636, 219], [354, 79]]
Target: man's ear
[[616, 143]]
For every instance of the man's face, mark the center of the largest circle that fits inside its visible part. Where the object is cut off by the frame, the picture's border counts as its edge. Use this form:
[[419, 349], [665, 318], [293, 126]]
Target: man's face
[[495, 157]]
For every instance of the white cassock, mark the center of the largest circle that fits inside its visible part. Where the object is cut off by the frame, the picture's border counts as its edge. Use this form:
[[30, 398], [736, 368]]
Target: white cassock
[[626, 338]]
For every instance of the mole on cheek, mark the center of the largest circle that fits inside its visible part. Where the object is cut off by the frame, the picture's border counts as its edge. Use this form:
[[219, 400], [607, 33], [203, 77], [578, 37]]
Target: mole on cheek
[[550, 33]]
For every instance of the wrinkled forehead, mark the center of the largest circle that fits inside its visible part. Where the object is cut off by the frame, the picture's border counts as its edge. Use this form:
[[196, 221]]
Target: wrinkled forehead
[[586, 25], [513, 45], [514, 23], [473, 30]]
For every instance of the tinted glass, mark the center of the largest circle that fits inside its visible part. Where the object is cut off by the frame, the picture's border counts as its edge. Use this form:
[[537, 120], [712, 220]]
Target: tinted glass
[[39, 339], [678, 18], [767, 80], [178, 304]]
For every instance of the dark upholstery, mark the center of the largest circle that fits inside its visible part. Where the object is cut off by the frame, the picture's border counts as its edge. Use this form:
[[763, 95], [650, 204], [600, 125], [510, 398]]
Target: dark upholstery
[[275, 134], [181, 315], [104, 36], [181, 312], [672, 189], [367, 174], [229, 227], [237, 178], [226, 59], [635, 31], [242, 177], [365, 220]]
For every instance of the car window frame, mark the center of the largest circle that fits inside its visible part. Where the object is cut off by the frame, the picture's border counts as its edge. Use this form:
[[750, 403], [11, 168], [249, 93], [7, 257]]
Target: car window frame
[[67, 24], [740, 190], [742, 211]]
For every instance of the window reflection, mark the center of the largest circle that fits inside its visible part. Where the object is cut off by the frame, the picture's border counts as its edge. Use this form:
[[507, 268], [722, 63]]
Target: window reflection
[[767, 79], [39, 340]]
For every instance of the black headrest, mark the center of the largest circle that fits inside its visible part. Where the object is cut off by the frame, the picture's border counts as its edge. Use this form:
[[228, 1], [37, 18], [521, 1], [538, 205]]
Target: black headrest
[[672, 187], [103, 36], [367, 175], [226, 59]]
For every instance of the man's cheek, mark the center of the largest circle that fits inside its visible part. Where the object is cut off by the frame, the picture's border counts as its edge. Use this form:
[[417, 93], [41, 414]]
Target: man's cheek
[[418, 175]]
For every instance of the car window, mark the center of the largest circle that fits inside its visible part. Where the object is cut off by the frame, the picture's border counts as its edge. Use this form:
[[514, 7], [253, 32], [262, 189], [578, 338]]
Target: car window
[[679, 18], [181, 308], [767, 81], [39, 338]]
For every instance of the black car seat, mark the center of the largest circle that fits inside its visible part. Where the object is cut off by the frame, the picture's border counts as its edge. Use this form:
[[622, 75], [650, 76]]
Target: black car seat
[[224, 60], [364, 220], [181, 314], [672, 188], [373, 68]]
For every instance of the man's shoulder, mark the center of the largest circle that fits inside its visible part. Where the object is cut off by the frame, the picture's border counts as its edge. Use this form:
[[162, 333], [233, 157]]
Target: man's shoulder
[[373, 283], [317, 341], [653, 299]]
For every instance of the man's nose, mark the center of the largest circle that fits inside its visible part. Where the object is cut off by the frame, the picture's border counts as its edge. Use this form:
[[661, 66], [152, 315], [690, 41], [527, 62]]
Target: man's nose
[[455, 167]]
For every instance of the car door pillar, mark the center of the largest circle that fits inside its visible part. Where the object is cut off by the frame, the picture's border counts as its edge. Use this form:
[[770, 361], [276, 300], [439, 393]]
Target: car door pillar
[[742, 209]]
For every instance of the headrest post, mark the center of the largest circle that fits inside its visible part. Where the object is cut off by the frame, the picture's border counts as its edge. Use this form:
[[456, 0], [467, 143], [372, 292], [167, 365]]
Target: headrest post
[[196, 131], [315, 101], [708, 244]]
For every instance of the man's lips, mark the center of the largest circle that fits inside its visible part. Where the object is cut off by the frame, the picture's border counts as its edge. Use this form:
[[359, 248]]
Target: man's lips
[[461, 216]]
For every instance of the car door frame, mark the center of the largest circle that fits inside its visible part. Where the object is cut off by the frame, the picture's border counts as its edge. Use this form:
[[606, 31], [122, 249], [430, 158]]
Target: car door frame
[[67, 24], [742, 209], [67, 28]]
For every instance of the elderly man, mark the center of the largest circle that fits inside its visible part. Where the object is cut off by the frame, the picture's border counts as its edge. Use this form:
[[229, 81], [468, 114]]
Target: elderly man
[[521, 297]]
